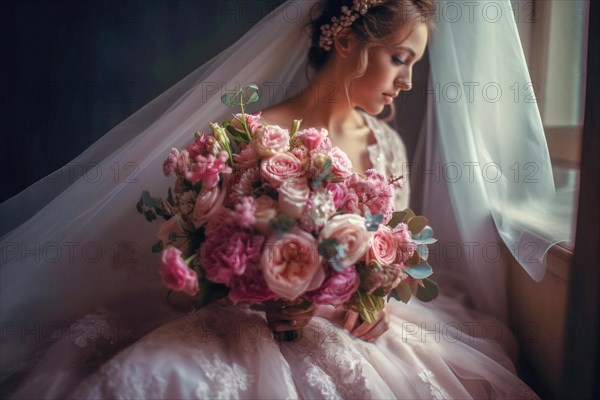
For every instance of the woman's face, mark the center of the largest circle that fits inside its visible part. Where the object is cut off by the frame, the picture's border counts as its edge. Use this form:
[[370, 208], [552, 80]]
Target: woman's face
[[389, 69]]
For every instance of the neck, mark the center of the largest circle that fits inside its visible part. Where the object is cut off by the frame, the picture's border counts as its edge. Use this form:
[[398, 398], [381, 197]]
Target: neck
[[324, 102]]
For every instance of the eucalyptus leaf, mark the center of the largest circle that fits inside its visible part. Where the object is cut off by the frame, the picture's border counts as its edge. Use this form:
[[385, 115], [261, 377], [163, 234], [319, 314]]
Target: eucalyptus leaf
[[426, 233], [416, 224], [428, 291], [402, 292], [414, 260], [419, 271], [423, 251], [425, 241], [253, 98]]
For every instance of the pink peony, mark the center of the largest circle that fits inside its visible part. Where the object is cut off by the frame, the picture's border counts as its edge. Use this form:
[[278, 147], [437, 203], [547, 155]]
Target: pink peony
[[337, 289], [293, 195], [271, 139], [406, 246], [280, 167], [176, 274], [175, 224], [207, 203], [228, 253], [338, 192], [250, 287], [247, 157], [340, 163], [383, 246], [291, 264], [349, 231], [208, 169], [222, 216]]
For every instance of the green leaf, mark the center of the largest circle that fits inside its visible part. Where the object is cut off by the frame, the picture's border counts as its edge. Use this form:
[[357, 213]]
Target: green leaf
[[425, 241], [226, 100], [426, 233], [423, 251], [149, 200], [403, 292], [419, 271], [253, 98], [428, 291], [253, 86], [150, 215], [414, 260], [295, 127], [139, 207], [416, 224], [400, 217], [157, 247]]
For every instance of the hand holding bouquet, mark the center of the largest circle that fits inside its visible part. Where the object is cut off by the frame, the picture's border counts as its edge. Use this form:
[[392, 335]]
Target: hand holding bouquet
[[260, 213]]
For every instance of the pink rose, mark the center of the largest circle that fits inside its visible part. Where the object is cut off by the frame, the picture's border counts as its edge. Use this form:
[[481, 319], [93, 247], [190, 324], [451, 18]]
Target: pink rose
[[207, 203], [406, 246], [337, 289], [383, 246], [176, 274], [293, 195], [340, 163], [266, 210], [174, 224], [279, 168], [291, 264], [270, 140], [228, 252], [350, 232], [314, 139]]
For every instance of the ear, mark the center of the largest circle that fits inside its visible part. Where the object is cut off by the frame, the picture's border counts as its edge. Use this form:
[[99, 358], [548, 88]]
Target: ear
[[344, 42]]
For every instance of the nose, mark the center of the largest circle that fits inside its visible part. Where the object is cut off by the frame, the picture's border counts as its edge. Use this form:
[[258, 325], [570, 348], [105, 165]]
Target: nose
[[404, 81]]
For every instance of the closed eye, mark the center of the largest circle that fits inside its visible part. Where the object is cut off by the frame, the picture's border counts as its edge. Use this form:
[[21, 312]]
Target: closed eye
[[397, 60]]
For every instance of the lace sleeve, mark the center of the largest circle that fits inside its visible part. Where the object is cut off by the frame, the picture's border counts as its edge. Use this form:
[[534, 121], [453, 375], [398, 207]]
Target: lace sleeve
[[390, 156]]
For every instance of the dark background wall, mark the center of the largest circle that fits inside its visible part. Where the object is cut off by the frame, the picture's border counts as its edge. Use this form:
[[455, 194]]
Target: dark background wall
[[72, 70]]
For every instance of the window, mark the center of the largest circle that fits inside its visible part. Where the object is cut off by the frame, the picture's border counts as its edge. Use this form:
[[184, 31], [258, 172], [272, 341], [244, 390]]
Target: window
[[554, 38]]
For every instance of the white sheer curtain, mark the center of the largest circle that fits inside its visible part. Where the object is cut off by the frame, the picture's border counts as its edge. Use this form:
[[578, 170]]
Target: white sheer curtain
[[483, 161]]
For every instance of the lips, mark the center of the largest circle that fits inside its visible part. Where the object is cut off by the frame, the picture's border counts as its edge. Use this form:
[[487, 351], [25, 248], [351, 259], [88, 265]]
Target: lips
[[389, 98]]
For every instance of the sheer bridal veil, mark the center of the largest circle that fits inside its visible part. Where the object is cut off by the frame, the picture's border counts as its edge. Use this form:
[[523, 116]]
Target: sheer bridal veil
[[73, 242]]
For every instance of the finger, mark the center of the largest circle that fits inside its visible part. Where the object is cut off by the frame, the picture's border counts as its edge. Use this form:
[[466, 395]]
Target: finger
[[362, 328], [351, 318], [379, 329]]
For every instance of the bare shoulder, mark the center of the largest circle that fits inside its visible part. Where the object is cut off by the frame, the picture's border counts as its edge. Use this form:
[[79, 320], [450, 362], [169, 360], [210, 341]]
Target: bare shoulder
[[282, 114]]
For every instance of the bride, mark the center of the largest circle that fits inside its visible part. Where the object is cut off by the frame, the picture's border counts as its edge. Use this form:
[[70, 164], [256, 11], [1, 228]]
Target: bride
[[112, 336]]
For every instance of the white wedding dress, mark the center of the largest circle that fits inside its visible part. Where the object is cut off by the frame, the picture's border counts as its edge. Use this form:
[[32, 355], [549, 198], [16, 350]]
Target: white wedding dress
[[439, 350]]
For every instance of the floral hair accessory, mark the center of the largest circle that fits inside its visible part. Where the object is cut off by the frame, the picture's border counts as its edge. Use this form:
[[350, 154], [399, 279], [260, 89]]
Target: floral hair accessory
[[349, 15]]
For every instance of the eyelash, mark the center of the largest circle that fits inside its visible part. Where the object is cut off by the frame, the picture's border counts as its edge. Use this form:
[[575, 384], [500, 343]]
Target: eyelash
[[397, 60]]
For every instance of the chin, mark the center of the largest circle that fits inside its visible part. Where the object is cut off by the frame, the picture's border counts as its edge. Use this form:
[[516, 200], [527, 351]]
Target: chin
[[373, 109]]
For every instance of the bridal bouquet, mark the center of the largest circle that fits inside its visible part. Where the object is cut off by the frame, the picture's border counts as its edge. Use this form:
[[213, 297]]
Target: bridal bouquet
[[260, 213]]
